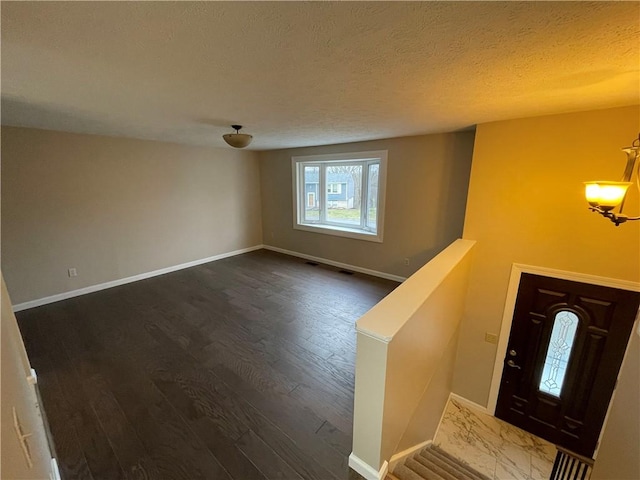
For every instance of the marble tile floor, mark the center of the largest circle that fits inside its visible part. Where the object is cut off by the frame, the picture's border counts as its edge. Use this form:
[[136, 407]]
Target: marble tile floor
[[493, 447]]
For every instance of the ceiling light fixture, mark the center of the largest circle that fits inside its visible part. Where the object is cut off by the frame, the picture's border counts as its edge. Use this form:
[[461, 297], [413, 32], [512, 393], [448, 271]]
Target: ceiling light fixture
[[605, 197], [237, 140]]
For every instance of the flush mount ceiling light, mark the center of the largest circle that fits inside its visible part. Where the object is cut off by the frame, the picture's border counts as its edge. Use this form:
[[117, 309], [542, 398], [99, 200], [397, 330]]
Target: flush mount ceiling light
[[605, 197], [237, 140]]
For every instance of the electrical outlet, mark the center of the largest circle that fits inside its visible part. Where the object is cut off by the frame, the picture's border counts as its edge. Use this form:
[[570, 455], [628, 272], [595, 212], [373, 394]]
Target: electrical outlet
[[406, 262], [73, 272], [491, 338]]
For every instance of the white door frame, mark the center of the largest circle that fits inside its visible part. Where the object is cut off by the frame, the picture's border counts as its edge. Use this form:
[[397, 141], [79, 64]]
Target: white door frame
[[517, 270]]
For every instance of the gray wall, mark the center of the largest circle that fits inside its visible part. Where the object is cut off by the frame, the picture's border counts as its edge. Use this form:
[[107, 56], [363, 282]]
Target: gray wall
[[427, 179], [116, 207]]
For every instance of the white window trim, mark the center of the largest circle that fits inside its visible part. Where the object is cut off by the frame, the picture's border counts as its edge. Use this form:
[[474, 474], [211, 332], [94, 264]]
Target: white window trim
[[339, 230]]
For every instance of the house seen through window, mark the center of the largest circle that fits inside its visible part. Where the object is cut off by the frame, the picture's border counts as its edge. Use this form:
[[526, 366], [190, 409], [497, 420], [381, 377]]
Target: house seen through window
[[340, 194]]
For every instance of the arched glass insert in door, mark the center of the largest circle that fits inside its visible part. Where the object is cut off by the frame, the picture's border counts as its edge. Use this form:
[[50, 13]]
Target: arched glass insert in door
[[565, 326]]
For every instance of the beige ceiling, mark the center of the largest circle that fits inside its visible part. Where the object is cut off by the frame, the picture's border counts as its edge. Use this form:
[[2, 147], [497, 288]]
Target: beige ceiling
[[300, 73]]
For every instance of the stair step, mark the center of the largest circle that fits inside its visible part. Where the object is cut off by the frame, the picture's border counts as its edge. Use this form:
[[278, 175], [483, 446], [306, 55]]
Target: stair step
[[446, 456], [447, 470], [404, 473], [433, 463], [423, 471], [428, 471]]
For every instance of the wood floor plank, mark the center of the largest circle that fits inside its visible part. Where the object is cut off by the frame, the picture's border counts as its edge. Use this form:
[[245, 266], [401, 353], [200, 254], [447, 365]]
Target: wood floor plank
[[270, 416], [166, 435], [283, 417], [126, 445], [324, 404], [72, 461], [338, 439], [98, 452], [228, 452], [238, 369], [191, 395], [269, 463]]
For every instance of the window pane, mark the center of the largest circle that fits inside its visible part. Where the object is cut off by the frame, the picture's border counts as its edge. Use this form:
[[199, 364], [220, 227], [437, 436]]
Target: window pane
[[565, 325], [311, 190], [372, 197], [344, 194], [334, 188]]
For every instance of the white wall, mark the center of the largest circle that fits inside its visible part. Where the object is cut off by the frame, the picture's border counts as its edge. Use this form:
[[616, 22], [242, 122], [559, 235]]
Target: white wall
[[18, 394], [404, 358], [117, 207]]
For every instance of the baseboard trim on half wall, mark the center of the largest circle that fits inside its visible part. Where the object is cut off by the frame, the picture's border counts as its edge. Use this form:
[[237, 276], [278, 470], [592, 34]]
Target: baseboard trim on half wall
[[122, 281], [366, 470], [401, 456], [374, 273], [469, 403]]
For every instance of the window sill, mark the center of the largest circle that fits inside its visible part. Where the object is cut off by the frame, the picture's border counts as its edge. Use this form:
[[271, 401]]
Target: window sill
[[340, 232]]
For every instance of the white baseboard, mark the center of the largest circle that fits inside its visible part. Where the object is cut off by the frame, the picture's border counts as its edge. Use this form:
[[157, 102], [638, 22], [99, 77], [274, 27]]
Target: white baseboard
[[55, 472], [464, 401], [399, 457], [122, 281], [333, 263], [444, 410], [469, 403], [366, 470]]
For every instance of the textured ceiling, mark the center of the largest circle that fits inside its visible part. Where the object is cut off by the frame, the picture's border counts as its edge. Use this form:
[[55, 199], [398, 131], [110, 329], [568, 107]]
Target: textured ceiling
[[310, 73]]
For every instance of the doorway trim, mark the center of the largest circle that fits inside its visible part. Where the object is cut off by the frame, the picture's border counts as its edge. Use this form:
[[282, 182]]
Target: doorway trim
[[517, 269]]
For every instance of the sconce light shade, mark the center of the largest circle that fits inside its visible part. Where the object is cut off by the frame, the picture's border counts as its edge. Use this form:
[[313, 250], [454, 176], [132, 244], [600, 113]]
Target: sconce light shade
[[606, 195], [237, 140]]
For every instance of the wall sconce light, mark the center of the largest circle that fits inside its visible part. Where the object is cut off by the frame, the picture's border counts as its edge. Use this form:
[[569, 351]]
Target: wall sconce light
[[237, 140], [605, 197]]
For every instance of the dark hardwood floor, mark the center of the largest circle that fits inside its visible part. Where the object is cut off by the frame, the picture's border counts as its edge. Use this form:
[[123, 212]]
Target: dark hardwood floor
[[237, 369]]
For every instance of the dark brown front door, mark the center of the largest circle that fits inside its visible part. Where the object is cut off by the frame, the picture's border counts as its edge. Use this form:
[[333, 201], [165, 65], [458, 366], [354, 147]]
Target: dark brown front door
[[565, 348]]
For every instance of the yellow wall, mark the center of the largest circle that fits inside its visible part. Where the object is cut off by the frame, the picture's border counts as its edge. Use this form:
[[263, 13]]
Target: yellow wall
[[117, 207], [526, 205]]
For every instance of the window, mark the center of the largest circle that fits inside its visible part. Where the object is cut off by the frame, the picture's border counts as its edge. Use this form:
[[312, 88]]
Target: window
[[565, 325], [334, 188], [340, 194]]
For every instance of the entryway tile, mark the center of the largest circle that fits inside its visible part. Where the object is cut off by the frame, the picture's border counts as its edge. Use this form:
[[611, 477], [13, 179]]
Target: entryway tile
[[493, 447], [509, 472]]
